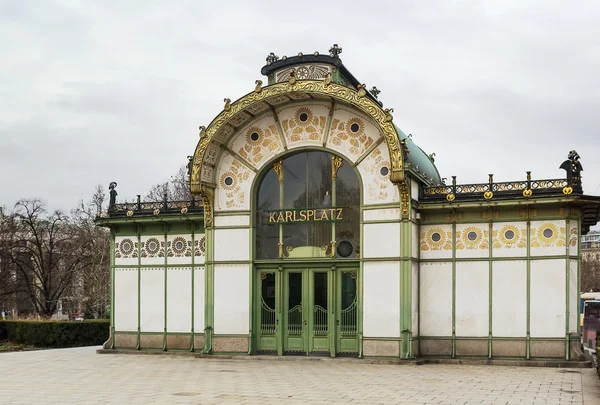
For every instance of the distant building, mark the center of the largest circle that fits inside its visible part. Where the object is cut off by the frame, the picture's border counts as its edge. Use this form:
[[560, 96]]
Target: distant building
[[591, 240]]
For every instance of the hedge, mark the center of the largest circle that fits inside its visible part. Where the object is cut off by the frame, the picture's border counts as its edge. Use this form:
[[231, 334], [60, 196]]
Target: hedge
[[56, 333]]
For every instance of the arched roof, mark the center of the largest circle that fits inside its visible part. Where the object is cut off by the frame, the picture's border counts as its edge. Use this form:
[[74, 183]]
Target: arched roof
[[418, 162]]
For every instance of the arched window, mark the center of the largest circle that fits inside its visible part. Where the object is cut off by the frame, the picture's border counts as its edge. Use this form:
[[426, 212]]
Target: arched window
[[304, 203]]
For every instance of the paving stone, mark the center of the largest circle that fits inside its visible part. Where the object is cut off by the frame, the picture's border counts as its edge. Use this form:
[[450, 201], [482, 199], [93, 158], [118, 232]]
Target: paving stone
[[80, 376]]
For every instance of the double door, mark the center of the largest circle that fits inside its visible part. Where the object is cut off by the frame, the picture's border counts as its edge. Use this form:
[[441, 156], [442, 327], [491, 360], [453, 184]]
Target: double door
[[307, 310]]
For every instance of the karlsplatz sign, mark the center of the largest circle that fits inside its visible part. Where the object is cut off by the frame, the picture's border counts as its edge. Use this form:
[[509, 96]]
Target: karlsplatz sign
[[325, 214]]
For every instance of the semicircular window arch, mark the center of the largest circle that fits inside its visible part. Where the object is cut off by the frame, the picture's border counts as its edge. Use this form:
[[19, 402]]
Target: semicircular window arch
[[308, 205]]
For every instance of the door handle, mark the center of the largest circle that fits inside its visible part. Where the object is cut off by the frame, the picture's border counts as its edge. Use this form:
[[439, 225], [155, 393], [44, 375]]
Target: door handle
[[304, 321]]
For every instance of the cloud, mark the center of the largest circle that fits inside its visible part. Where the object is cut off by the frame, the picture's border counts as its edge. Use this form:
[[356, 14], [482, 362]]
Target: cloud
[[92, 92]]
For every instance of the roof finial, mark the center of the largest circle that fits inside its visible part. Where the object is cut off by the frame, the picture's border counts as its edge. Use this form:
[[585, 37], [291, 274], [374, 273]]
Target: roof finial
[[334, 51], [272, 58], [374, 91]]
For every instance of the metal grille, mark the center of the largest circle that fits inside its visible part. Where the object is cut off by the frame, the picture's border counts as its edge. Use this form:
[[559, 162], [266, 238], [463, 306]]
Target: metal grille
[[294, 324], [320, 326], [267, 319], [349, 317]]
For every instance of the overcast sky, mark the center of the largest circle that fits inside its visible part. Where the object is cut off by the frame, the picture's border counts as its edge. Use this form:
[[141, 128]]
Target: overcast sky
[[100, 91]]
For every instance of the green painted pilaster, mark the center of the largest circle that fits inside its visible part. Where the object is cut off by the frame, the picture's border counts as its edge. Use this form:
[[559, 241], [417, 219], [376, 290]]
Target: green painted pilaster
[[193, 231], [164, 348], [331, 301], [112, 288], [453, 283], [567, 287], [139, 271], [528, 339], [490, 285], [579, 275], [209, 291], [406, 289]]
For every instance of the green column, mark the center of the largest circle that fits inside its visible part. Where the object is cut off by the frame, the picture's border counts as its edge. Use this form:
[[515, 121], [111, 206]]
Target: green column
[[453, 283], [192, 337], [139, 271], [567, 285], [165, 292], [528, 341], [406, 282], [112, 288], [209, 291]]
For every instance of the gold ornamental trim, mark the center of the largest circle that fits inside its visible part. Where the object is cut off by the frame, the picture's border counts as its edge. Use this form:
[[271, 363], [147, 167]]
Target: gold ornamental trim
[[383, 118]]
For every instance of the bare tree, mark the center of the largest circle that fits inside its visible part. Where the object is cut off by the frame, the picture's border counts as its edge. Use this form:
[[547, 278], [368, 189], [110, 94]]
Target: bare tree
[[92, 286], [590, 270], [45, 251], [176, 188]]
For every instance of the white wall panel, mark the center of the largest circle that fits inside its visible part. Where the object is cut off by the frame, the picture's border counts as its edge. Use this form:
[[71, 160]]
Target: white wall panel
[[381, 299], [573, 295], [415, 241], [509, 298], [179, 299], [152, 249], [415, 299], [381, 240], [232, 244], [548, 299], [414, 189], [435, 241], [377, 188], [436, 299], [548, 238], [509, 239], [126, 299], [232, 220], [152, 300], [126, 250], [199, 302], [382, 214], [472, 241], [472, 298], [232, 287], [179, 249]]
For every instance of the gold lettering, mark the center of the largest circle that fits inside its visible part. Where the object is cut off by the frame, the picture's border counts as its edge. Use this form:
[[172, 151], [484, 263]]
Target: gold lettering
[[309, 214], [315, 216], [295, 219], [271, 217], [339, 213], [280, 217], [324, 215], [332, 213], [288, 216], [303, 215]]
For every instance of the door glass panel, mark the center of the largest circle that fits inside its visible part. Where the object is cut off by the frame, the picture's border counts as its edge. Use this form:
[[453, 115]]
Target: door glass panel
[[320, 315], [348, 315], [294, 323], [267, 318]]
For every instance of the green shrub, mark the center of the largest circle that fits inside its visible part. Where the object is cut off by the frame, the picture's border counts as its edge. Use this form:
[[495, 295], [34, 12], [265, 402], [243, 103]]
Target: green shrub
[[2, 331], [56, 333], [598, 354]]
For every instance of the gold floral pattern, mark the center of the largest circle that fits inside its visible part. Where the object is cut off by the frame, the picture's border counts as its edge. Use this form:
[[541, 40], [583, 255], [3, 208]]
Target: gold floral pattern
[[153, 248], [261, 143], [350, 136], [231, 182], [573, 237], [436, 239], [200, 246], [378, 187], [179, 247], [548, 235], [305, 126], [472, 237], [509, 237], [126, 249]]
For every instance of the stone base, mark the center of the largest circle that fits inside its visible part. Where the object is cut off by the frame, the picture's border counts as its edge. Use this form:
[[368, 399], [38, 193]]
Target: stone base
[[415, 347], [226, 344], [548, 348], [472, 348], [381, 348], [198, 343], [125, 340], [509, 348], [151, 341], [179, 342], [435, 348]]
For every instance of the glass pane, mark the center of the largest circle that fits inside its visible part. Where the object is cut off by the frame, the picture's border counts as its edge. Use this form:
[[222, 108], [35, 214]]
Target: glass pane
[[319, 180], [267, 313], [320, 315], [348, 289], [294, 320], [294, 181], [268, 193], [347, 186], [347, 234]]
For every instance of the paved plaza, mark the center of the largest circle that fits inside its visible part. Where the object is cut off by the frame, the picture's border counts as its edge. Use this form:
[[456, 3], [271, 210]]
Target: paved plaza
[[80, 376]]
